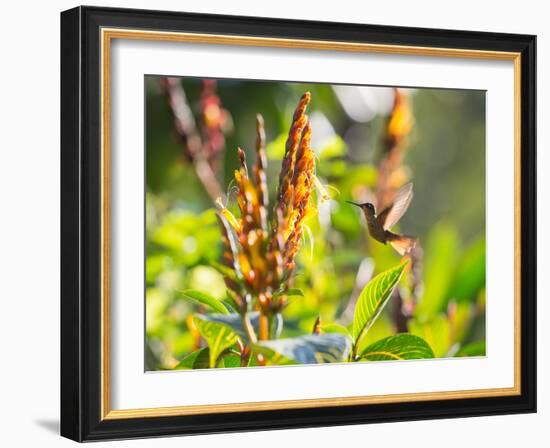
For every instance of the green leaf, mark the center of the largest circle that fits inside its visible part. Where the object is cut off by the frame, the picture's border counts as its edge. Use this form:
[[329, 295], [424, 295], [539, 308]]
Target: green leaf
[[226, 271], [382, 327], [401, 346], [205, 299], [230, 304], [436, 331], [198, 359], [472, 349], [230, 301], [469, 277], [234, 321], [231, 361], [373, 298], [219, 337], [310, 349], [441, 258], [289, 292], [335, 328], [460, 317]]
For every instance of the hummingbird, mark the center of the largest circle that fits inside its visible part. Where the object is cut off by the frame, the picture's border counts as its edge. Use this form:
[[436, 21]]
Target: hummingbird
[[379, 224]]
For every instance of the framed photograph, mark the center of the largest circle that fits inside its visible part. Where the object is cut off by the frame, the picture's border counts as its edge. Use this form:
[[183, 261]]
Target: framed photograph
[[277, 224]]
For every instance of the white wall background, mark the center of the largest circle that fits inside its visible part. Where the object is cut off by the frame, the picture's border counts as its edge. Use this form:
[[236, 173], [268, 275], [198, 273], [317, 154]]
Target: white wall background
[[29, 224]]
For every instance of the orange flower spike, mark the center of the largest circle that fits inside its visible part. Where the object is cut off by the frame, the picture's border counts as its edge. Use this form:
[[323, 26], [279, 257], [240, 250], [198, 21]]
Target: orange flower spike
[[304, 174], [242, 162], [247, 197], [303, 159], [252, 203], [284, 196], [242, 181], [391, 173], [241, 198], [303, 182], [305, 163], [261, 162], [248, 272], [226, 213], [241, 175], [275, 268], [256, 255], [401, 118]]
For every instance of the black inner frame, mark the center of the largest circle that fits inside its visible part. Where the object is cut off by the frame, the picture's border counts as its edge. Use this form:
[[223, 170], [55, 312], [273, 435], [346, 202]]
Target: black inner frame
[[81, 224]]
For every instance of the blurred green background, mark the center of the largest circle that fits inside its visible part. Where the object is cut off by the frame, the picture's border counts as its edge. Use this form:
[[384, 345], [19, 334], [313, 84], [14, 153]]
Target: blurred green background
[[444, 158]]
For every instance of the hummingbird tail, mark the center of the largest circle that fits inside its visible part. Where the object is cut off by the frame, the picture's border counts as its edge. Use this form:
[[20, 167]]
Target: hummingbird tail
[[403, 244]]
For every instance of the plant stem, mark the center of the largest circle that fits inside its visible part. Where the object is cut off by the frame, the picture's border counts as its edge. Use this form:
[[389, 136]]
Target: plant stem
[[249, 328], [187, 132], [354, 352], [208, 178], [400, 319], [357, 344], [245, 356], [264, 326]]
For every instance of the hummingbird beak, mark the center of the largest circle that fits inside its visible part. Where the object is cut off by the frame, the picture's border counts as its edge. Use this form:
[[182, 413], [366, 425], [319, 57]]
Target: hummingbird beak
[[354, 203]]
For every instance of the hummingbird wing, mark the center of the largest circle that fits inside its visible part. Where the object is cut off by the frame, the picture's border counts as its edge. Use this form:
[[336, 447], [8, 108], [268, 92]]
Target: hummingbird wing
[[393, 213]]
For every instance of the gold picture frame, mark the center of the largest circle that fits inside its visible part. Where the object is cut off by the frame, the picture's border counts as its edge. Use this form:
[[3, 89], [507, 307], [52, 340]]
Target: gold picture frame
[[108, 30]]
